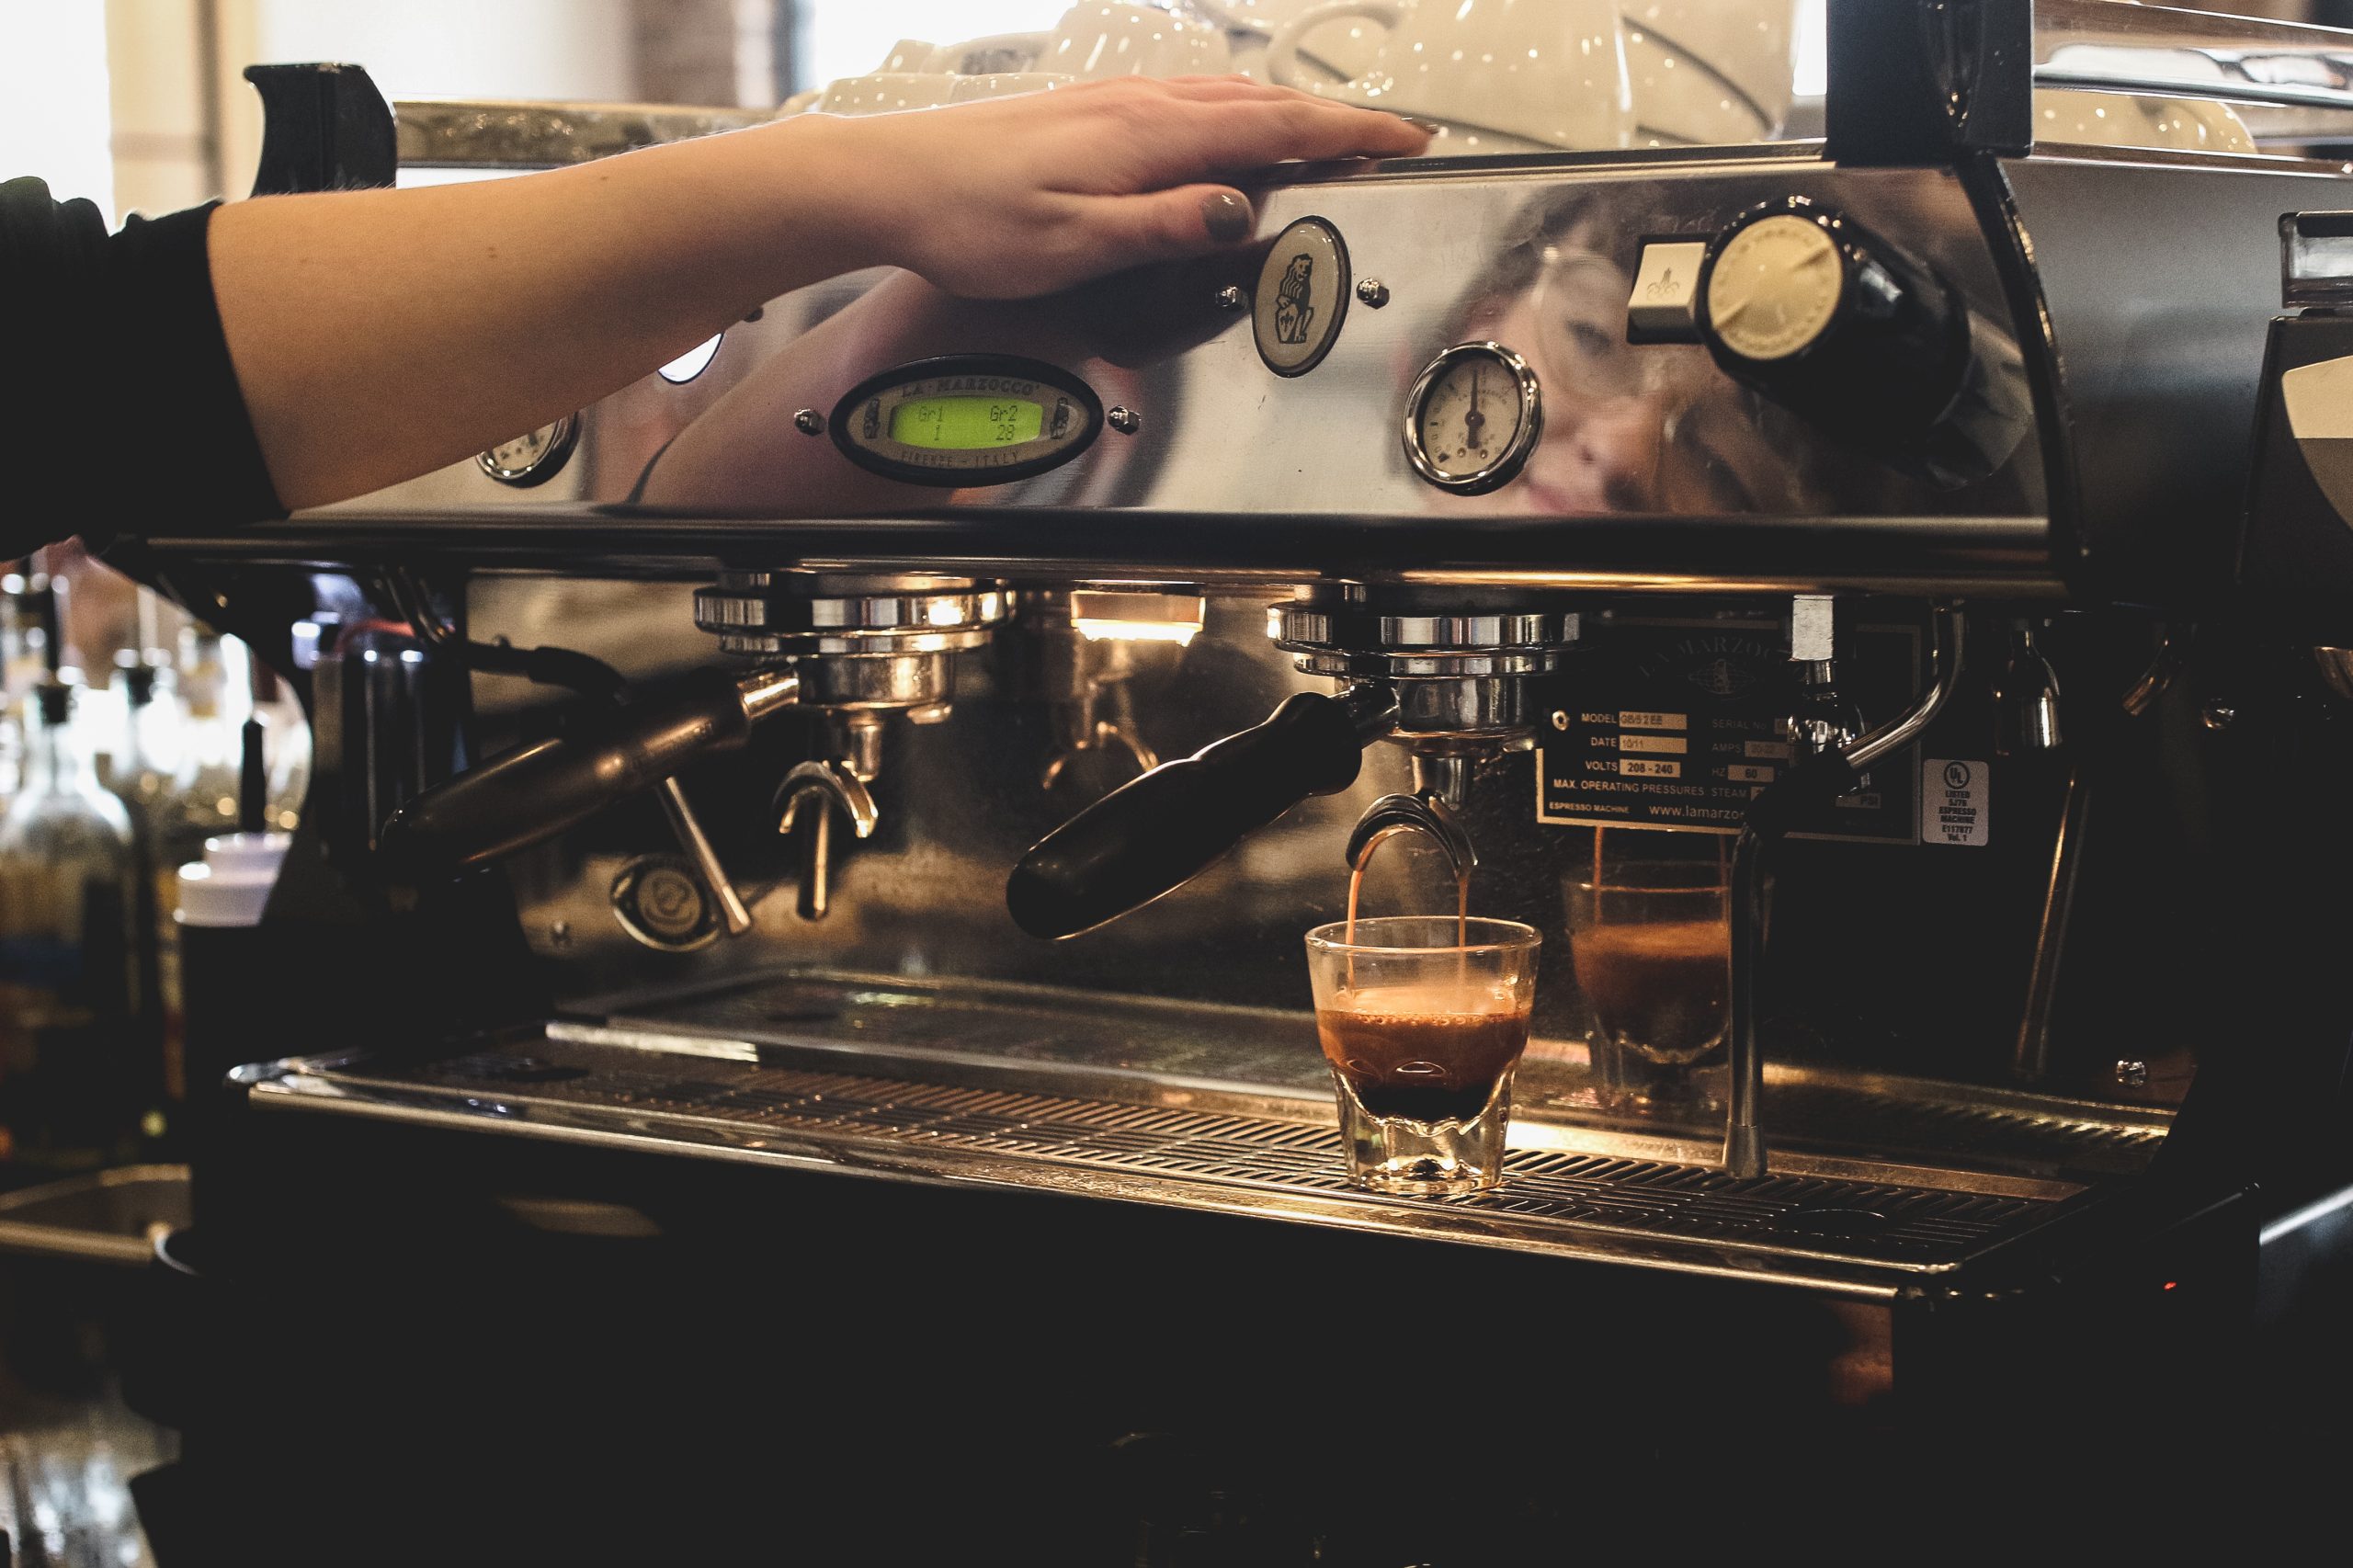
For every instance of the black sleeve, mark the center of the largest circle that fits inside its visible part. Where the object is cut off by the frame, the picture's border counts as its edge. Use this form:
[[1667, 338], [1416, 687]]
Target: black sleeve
[[127, 417]]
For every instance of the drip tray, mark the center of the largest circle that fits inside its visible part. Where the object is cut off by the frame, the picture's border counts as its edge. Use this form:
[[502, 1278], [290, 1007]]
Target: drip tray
[[1126, 1127], [1264, 1062]]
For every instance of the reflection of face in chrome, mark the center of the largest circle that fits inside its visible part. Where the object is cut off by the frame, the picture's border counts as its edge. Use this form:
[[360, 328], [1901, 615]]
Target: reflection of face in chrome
[[1655, 429]]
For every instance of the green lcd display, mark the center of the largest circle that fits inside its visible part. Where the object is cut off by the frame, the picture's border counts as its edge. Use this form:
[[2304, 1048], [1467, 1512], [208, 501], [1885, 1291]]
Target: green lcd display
[[966, 424]]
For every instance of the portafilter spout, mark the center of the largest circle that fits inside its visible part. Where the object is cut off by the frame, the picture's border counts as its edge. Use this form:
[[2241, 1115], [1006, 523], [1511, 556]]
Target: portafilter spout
[[820, 788], [868, 645], [1428, 815]]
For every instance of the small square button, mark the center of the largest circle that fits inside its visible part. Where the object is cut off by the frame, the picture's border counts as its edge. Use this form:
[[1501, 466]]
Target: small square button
[[1665, 307]]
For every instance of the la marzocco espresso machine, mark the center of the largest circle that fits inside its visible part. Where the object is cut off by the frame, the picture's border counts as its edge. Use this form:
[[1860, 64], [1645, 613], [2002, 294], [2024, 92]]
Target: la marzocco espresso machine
[[790, 982]]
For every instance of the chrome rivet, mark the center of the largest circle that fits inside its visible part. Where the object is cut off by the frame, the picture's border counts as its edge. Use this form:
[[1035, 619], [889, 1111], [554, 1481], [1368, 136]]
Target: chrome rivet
[[1559, 720], [2132, 1075], [560, 933], [809, 422], [1373, 292], [1126, 421], [1232, 298]]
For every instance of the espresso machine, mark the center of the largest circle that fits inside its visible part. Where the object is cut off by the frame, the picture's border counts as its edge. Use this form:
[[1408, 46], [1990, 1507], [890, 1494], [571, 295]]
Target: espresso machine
[[792, 967]]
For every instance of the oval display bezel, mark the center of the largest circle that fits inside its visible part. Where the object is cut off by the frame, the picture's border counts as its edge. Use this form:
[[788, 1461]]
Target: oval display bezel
[[923, 378]]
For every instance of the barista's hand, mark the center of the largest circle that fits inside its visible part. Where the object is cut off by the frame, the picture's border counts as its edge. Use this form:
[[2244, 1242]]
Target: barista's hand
[[381, 334], [1011, 197]]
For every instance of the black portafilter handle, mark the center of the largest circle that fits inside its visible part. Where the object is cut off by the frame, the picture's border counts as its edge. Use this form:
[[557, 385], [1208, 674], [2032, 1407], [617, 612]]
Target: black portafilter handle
[[539, 791], [1159, 832]]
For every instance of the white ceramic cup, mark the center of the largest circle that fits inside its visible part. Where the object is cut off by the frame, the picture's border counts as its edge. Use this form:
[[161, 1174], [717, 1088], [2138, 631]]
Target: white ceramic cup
[[1549, 70], [1005, 83], [1108, 38], [1746, 54], [886, 91], [2094, 119], [907, 54], [2117, 119], [1340, 50], [997, 54], [2198, 125]]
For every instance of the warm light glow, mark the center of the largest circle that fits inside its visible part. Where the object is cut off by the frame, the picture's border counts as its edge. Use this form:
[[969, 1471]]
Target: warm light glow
[[1126, 614], [56, 118], [1137, 631], [1814, 48]]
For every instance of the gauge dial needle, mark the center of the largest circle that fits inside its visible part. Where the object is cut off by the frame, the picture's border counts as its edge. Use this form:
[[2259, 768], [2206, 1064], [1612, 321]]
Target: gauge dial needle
[[1474, 423]]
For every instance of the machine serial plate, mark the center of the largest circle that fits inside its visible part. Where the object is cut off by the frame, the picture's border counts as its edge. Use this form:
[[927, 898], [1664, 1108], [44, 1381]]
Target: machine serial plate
[[1676, 724], [971, 419]]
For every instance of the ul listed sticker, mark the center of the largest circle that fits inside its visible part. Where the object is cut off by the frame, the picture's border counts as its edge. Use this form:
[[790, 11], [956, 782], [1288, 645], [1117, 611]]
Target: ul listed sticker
[[1302, 297], [1956, 802]]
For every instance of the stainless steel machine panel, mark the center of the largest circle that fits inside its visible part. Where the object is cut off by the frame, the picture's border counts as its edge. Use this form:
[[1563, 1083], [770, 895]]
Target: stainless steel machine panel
[[1206, 444]]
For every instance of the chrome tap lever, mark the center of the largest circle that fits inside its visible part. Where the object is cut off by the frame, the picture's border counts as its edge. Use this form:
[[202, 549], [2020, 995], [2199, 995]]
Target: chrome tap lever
[[1425, 815], [696, 844], [822, 786]]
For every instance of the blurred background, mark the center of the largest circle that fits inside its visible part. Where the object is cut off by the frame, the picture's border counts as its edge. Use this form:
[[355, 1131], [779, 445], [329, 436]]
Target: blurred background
[[125, 728]]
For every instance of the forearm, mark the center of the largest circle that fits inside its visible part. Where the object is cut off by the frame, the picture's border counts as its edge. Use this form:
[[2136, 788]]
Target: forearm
[[379, 335]]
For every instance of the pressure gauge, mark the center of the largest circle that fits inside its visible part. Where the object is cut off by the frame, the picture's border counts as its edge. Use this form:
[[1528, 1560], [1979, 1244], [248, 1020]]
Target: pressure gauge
[[1473, 417], [532, 459]]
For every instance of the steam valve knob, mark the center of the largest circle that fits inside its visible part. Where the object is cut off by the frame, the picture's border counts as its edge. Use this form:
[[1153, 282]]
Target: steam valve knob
[[1818, 314]]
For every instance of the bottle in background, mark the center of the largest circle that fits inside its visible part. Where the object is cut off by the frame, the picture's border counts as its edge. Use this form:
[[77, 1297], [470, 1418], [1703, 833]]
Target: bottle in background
[[233, 982], [203, 801], [145, 753], [286, 738], [71, 1072], [22, 640]]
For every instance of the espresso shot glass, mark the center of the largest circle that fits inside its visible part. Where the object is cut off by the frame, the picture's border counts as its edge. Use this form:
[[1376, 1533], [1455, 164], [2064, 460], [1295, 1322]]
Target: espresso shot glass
[[1651, 948], [1423, 1020]]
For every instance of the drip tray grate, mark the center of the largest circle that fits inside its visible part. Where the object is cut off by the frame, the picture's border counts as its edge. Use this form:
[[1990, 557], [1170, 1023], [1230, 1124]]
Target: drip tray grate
[[1553, 1200]]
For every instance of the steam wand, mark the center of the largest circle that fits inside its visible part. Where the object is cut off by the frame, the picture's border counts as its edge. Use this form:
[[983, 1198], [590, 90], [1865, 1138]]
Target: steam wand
[[1775, 811]]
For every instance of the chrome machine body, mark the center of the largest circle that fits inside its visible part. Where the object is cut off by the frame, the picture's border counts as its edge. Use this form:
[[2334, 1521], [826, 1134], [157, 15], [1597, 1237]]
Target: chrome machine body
[[2014, 440]]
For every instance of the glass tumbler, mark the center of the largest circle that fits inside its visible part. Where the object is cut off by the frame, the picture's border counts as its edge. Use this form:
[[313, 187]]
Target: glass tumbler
[[1651, 947], [1423, 1020]]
